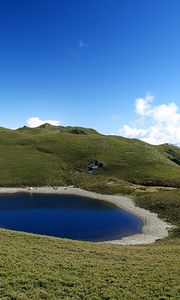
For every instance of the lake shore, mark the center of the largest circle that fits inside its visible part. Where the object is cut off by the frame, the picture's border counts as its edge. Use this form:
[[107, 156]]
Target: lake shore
[[153, 229]]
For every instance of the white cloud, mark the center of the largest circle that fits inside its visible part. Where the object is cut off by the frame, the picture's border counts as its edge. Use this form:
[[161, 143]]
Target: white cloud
[[164, 122], [35, 122], [132, 132], [143, 105]]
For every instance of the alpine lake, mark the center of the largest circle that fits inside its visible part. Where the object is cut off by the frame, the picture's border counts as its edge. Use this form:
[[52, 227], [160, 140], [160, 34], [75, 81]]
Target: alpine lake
[[67, 216]]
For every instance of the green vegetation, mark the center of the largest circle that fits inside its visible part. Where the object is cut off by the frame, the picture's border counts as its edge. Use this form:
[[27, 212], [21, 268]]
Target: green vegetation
[[171, 152], [164, 202], [36, 267], [39, 267], [50, 155]]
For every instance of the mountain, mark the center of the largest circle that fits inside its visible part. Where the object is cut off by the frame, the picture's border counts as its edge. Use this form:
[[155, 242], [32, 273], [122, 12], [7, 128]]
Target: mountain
[[57, 155]]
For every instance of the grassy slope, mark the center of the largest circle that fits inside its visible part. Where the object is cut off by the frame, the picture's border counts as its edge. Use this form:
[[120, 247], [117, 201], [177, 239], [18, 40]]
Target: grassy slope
[[36, 267], [56, 156], [171, 152], [164, 202]]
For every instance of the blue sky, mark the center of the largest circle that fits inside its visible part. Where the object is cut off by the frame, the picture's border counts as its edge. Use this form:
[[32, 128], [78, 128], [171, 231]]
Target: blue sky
[[88, 63]]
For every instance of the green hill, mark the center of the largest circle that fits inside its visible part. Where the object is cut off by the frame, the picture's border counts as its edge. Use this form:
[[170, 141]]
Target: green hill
[[171, 152], [57, 155]]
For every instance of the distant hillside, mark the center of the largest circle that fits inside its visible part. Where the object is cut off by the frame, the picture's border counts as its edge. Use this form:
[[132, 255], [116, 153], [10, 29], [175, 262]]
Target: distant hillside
[[57, 155], [171, 152]]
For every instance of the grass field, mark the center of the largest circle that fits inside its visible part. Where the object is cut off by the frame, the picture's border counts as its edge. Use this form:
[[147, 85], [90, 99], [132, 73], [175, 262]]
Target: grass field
[[38, 267], [34, 267]]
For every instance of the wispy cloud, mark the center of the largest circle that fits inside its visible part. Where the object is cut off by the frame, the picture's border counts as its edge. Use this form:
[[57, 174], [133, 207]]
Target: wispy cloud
[[83, 44], [76, 48], [115, 117], [161, 123], [35, 122]]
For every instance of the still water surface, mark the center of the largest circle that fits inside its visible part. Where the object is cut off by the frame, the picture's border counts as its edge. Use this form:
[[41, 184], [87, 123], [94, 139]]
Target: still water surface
[[66, 216]]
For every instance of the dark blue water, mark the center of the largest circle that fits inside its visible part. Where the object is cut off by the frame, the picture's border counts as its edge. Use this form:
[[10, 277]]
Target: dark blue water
[[66, 216]]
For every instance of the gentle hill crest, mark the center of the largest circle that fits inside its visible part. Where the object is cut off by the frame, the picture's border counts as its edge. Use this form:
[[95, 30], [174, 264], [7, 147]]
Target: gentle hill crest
[[60, 129]]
